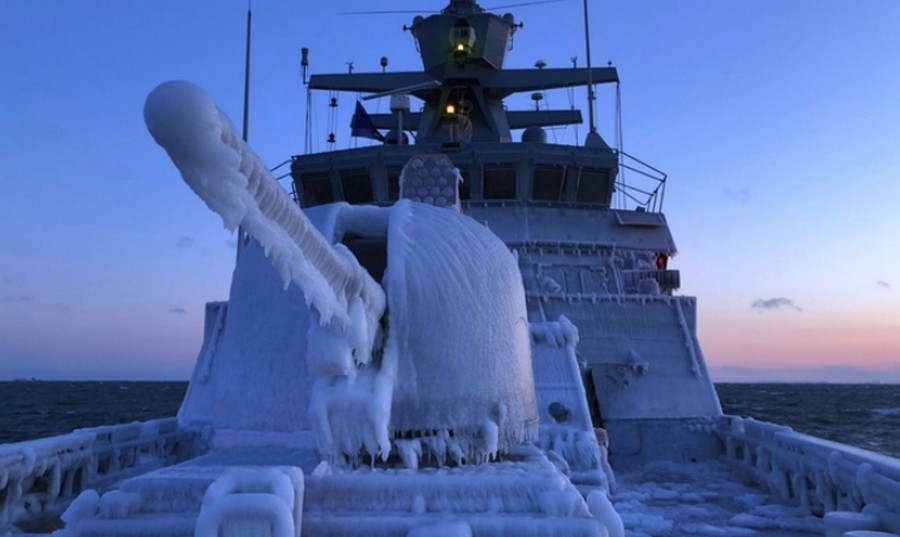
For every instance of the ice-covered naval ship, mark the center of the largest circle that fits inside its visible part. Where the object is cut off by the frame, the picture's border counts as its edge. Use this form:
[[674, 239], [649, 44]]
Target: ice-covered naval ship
[[455, 332]]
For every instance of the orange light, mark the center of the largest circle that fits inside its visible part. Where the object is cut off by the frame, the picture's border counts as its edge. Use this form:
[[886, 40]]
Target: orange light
[[451, 109]]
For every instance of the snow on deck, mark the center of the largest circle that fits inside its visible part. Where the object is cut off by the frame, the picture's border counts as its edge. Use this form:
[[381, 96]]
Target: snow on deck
[[705, 498]]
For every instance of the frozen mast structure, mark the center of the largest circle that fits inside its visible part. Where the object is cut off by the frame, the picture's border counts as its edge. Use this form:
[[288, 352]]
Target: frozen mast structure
[[602, 265]]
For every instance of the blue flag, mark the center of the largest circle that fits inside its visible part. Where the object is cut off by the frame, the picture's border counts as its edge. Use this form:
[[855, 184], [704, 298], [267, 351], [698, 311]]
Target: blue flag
[[361, 124]]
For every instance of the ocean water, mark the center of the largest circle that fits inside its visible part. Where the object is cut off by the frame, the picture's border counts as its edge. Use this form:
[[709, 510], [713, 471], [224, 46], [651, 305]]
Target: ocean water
[[862, 415], [35, 409]]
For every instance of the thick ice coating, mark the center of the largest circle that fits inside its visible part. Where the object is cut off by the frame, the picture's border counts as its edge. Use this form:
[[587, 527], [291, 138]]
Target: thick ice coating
[[347, 304], [223, 170], [458, 325], [453, 375]]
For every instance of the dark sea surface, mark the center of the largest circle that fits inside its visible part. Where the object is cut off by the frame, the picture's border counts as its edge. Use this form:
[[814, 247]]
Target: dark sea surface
[[35, 409], [863, 415]]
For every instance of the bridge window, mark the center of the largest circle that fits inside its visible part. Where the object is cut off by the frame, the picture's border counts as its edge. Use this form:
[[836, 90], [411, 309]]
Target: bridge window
[[549, 183], [316, 189], [499, 182], [593, 186], [357, 186]]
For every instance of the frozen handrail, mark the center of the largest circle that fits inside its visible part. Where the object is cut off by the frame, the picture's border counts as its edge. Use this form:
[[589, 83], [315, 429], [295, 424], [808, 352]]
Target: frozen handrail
[[820, 474], [41, 477]]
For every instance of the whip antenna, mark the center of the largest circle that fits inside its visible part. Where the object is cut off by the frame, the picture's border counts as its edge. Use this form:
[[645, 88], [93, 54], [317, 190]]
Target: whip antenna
[[590, 78], [246, 127]]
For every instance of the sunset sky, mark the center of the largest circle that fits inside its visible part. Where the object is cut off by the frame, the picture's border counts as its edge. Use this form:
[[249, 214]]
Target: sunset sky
[[777, 122]]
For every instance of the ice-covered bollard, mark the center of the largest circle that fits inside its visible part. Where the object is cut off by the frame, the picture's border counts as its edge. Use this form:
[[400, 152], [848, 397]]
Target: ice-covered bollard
[[249, 514], [256, 501], [837, 523], [84, 506]]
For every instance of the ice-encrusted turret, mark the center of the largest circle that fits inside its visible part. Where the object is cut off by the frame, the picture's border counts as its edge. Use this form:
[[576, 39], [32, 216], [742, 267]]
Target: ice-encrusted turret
[[447, 372], [459, 326]]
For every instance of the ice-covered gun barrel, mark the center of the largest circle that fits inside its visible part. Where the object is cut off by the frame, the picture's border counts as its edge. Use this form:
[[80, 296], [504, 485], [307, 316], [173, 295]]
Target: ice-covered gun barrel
[[232, 180]]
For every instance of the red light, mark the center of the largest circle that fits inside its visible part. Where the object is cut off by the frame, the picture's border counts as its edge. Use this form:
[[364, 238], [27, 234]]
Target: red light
[[661, 261]]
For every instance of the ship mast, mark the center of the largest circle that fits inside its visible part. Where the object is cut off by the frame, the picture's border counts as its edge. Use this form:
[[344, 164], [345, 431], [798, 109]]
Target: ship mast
[[590, 82]]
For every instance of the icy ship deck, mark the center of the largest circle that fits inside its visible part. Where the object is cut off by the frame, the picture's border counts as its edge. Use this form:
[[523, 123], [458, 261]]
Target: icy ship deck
[[704, 498], [715, 497], [662, 500]]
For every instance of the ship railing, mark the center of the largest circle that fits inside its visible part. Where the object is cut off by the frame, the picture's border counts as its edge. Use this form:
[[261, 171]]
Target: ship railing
[[39, 478], [645, 193], [821, 475], [292, 189]]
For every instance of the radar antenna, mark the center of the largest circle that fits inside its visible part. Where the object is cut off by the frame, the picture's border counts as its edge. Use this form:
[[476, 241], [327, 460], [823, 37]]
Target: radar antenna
[[433, 12]]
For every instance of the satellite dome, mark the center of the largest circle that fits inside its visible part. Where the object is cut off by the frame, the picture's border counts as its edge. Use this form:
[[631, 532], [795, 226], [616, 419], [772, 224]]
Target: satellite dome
[[535, 134]]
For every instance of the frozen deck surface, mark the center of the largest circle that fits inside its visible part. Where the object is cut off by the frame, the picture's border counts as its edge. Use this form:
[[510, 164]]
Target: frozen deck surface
[[705, 498]]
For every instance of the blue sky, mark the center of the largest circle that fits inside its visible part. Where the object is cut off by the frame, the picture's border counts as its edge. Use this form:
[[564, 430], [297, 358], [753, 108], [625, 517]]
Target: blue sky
[[777, 122]]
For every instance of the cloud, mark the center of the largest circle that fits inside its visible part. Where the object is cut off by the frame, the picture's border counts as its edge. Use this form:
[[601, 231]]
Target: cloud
[[62, 307], [179, 311], [184, 242], [774, 304], [884, 284], [18, 298], [741, 196]]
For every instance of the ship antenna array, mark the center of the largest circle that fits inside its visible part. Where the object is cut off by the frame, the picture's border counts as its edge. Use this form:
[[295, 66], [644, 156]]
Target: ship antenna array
[[304, 66]]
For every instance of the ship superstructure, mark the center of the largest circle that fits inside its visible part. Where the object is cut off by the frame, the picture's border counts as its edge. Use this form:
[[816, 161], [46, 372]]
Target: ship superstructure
[[604, 268]]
